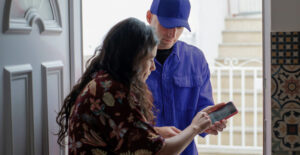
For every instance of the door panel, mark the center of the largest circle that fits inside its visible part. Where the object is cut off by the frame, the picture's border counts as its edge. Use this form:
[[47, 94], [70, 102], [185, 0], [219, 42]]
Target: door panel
[[20, 16], [52, 100], [34, 74], [18, 109]]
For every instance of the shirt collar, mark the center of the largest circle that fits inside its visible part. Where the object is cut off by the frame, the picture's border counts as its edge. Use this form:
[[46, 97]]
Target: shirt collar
[[176, 50]]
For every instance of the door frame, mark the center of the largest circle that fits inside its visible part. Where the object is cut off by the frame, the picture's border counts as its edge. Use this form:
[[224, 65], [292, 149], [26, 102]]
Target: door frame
[[75, 38], [267, 145], [76, 60]]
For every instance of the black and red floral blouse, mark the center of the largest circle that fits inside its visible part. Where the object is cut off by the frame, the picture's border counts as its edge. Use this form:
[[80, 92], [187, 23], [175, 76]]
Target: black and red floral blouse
[[103, 121]]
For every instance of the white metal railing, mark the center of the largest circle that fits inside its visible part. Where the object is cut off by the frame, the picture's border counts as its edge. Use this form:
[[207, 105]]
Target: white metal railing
[[244, 7], [237, 75]]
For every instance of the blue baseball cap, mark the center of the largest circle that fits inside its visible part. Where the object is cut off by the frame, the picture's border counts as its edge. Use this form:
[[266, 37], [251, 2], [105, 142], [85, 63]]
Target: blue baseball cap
[[172, 13]]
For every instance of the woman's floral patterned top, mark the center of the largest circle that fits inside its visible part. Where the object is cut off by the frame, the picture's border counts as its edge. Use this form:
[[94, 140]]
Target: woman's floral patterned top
[[103, 121]]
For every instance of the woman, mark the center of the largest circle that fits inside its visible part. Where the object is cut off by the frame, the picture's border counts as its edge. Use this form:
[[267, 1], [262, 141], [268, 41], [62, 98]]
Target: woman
[[109, 111]]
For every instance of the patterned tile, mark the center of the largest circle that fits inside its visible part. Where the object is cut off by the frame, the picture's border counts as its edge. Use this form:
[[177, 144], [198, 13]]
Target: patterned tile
[[286, 153], [296, 153], [285, 86], [282, 153], [285, 130], [285, 48]]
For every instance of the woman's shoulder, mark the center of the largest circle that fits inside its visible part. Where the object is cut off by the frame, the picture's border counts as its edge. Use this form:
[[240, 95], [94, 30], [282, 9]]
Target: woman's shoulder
[[105, 82], [102, 95], [103, 87]]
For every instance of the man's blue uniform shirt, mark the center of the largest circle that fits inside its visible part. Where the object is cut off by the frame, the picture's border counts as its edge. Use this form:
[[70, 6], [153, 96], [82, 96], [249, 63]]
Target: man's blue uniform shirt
[[181, 87]]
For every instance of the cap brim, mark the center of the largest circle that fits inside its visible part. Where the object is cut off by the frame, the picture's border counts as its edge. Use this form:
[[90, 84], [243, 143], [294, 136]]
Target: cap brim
[[173, 22]]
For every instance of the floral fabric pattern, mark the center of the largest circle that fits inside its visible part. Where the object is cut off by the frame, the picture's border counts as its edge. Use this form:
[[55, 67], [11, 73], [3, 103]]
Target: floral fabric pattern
[[103, 121]]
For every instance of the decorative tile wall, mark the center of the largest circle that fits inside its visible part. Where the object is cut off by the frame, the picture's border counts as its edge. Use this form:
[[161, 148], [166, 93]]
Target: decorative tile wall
[[285, 86], [285, 48], [285, 93], [286, 129]]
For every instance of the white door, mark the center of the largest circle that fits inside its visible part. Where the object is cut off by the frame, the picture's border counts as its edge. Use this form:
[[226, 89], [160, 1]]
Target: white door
[[36, 72]]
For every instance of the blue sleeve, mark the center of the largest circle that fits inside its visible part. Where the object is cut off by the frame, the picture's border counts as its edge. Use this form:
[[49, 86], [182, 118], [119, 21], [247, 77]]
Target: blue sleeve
[[205, 97]]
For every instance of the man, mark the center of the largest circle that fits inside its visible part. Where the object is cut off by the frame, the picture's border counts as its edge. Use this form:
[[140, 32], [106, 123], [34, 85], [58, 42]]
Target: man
[[181, 82]]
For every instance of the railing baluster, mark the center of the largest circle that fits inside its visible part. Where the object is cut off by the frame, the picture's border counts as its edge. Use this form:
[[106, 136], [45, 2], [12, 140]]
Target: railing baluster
[[238, 6], [219, 100], [229, 8], [243, 107], [231, 98], [207, 140], [255, 108]]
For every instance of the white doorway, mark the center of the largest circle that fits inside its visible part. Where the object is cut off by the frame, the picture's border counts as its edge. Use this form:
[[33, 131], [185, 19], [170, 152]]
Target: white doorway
[[99, 16]]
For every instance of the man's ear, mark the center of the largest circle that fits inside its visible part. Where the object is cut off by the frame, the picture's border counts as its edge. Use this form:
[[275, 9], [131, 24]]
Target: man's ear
[[149, 16]]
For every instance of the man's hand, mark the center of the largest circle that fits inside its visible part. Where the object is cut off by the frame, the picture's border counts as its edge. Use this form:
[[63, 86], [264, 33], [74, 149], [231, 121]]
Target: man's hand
[[167, 131], [219, 125]]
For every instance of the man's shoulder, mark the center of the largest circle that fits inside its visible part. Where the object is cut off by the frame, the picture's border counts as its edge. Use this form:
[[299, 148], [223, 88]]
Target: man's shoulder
[[189, 50], [190, 57]]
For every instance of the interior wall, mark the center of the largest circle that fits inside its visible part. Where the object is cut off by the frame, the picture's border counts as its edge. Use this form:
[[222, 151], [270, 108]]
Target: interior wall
[[285, 15], [210, 24]]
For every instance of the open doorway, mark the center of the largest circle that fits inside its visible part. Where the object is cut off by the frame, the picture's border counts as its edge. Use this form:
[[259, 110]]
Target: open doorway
[[236, 75], [230, 35]]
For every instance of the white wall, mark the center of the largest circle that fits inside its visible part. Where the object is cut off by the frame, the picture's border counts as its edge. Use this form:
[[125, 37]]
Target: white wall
[[99, 16], [210, 23], [285, 15]]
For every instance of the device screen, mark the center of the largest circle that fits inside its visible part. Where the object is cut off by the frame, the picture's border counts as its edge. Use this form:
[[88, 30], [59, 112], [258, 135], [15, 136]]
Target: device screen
[[223, 113]]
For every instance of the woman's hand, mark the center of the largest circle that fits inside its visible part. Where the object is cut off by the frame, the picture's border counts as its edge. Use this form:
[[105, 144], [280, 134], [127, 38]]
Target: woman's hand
[[217, 126], [176, 144], [167, 131], [201, 122]]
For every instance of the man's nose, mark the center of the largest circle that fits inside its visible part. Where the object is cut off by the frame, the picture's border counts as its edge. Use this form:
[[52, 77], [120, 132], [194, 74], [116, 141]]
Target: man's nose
[[172, 32]]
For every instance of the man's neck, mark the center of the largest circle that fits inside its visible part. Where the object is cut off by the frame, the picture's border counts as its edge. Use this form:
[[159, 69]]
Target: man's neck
[[163, 54]]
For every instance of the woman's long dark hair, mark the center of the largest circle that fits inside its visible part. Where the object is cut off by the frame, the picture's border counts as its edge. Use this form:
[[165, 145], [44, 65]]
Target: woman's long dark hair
[[124, 48]]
